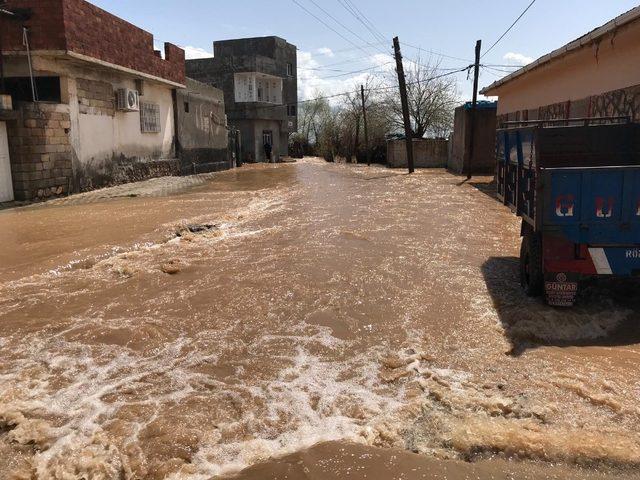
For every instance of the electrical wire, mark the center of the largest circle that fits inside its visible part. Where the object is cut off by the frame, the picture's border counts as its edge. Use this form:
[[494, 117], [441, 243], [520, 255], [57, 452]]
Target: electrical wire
[[338, 22], [356, 47], [509, 29], [366, 19], [329, 26], [434, 52], [349, 8], [375, 89], [374, 67]]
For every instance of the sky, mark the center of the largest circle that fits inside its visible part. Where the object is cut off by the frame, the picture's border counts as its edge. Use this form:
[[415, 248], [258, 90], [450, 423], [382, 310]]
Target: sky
[[334, 57]]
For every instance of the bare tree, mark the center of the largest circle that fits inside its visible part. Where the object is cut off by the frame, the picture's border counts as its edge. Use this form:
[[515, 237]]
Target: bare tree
[[314, 113], [432, 100], [354, 123]]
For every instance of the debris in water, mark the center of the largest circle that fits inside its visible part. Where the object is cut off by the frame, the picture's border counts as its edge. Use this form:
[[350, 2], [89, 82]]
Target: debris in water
[[171, 267], [196, 228]]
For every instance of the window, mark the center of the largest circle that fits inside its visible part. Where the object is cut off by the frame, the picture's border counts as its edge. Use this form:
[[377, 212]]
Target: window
[[47, 89], [186, 107], [290, 69], [291, 110], [149, 118]]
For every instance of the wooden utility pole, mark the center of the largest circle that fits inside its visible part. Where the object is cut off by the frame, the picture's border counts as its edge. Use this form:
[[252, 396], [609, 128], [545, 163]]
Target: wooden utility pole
[[474, 105], [366, 130], [357, 142], [408, 133]]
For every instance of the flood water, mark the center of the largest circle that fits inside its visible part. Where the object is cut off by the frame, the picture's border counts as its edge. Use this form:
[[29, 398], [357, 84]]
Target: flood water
[[279, 307]]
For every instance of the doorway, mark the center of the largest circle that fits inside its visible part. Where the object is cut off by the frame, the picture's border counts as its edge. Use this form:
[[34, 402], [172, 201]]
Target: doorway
[[267, 144], [6, 184]]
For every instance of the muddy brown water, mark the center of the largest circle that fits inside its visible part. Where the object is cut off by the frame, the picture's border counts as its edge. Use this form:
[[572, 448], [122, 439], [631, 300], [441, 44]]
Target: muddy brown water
[[326, 309]]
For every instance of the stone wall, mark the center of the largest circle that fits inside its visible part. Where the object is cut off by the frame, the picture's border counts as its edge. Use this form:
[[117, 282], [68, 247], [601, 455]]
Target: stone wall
[[484, 161], [95, 97], [40, 151], [427, 153]]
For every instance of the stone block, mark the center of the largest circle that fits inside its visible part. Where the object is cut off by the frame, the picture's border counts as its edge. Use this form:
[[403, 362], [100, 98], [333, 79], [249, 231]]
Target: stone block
[[39, 149]]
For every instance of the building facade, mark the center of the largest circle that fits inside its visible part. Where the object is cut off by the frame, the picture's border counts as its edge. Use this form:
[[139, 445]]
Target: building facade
[[201, 129], [597, 75], [259, 79], [94, 102]]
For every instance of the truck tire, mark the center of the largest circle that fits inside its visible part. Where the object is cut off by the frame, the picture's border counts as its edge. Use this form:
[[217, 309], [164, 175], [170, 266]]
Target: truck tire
[[531, 272]]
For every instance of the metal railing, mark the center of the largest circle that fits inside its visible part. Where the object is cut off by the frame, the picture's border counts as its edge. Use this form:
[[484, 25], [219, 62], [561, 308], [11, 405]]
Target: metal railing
[[567, 122]]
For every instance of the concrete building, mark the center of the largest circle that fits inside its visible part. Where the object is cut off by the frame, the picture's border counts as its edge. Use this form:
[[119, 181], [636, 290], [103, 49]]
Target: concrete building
[[594, 76], [94, 101], [259, 80], [201, 129], [427, 153], [484, 156]]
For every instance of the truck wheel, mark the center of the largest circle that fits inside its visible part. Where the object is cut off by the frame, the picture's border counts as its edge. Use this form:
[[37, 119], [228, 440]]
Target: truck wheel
[[531, 274]]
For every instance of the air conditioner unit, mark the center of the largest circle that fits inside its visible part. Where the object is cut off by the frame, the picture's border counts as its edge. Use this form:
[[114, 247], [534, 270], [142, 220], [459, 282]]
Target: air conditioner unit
[[128, 100]]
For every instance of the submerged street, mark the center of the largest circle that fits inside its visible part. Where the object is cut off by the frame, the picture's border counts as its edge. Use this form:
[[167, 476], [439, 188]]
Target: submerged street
[[264, 311]]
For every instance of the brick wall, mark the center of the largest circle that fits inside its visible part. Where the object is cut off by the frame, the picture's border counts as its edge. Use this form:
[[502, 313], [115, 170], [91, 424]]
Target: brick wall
[[83, 28], [40, 151], [95, 97]]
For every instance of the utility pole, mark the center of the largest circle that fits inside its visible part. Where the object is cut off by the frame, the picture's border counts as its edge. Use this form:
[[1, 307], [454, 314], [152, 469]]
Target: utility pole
[[366, 131], [474, 105], [408, 133], [357, 142]]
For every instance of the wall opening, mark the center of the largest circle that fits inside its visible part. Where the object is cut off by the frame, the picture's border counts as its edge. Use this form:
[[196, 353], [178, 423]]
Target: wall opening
[[47, 89]]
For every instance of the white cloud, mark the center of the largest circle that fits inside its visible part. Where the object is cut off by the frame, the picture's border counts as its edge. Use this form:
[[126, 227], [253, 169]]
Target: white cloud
[[383, 61], [192, 53], [517, 58], [326, 51], [314, 80]]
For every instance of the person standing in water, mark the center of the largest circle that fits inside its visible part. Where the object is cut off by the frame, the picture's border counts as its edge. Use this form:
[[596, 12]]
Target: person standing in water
[[267, 151]]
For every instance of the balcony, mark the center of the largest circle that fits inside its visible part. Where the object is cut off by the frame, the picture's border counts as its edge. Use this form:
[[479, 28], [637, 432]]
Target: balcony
[[254, 87]]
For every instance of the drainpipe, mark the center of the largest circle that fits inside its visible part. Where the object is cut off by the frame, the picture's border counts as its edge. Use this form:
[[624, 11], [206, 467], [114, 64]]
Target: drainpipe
[[3, 88], [177, 147]]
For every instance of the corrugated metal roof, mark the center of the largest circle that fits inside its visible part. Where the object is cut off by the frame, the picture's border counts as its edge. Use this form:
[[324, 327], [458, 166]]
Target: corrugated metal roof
[[587, 39]]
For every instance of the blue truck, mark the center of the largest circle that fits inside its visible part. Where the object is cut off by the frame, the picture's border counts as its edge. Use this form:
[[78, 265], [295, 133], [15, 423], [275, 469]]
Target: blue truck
[[576, 185]]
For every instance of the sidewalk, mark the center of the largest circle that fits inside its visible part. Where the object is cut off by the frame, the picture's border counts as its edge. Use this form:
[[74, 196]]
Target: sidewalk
[[154, 187]]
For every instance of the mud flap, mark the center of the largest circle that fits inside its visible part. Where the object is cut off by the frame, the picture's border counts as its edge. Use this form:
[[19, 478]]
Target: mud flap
[[561, 289]]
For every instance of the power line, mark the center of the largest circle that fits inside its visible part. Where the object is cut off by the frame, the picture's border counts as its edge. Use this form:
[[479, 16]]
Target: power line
[[338, 21], [375, 67], [509, 29], [496, 69], [352, 10], [366, 19], [434, 52], [355, 47], [328, 26], [375, 89]]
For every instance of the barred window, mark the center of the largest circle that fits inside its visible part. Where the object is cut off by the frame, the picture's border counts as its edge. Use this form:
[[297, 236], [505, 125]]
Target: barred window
[[149, 117]]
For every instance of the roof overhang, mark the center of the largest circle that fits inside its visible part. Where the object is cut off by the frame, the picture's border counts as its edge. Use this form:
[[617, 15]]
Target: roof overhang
[[70, 55], [586, 40]]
